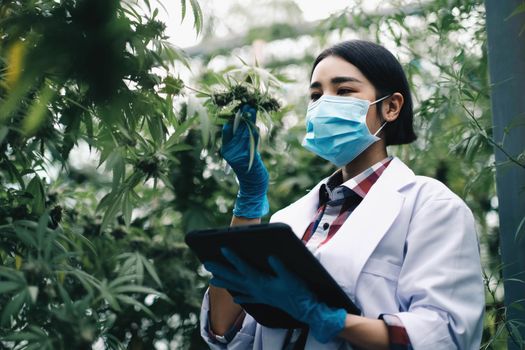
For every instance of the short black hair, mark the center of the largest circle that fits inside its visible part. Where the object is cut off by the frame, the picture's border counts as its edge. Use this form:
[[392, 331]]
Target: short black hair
[[385, 73]]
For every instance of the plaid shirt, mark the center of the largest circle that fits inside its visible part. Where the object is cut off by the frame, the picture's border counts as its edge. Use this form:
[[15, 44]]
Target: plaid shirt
[[337, 201]]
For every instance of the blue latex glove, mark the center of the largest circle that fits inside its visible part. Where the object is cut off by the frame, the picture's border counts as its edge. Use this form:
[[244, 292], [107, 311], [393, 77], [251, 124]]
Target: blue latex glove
[[282, 290], [251, 201]]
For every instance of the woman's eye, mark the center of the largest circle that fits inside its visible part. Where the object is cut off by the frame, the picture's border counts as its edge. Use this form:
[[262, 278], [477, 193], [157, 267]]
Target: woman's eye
[[344, 91], [315, 96]]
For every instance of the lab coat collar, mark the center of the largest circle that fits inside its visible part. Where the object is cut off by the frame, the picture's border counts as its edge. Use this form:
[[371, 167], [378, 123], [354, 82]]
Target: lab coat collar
[[299, 214], [353, 184], [367, 224]]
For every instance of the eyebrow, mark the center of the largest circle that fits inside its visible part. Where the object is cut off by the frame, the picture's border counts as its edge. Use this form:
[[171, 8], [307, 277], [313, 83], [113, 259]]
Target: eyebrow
[[335, 81], [339, 80]]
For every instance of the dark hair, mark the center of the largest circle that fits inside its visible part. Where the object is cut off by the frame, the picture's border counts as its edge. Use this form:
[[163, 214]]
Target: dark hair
[[384, 71]]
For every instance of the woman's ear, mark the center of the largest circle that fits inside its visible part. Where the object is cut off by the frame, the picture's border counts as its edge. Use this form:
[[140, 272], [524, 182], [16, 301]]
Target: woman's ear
[[392, 107]]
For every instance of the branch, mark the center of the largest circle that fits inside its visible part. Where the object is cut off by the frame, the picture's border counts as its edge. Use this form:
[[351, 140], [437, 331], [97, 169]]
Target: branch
[[490, 139]]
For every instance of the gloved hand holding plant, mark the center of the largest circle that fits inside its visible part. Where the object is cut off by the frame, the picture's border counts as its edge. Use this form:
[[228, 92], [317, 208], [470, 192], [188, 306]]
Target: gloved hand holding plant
[[240, 138], [239, 149]]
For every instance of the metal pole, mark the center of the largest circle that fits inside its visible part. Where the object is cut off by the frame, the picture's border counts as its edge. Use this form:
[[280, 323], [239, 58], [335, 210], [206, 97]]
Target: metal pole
[[506, 53]]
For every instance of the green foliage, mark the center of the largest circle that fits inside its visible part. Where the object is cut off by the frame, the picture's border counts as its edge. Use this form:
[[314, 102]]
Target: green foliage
[[238, 87], [96, 254], [519, 10], [239, 95], [72, 273], [197, 13]]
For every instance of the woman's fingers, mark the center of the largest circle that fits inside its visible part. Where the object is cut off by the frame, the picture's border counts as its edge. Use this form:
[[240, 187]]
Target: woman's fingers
[[227, 132], [227, 278], [229, 285], [223, 272], [239, 264], [279, 269], [217, 268]]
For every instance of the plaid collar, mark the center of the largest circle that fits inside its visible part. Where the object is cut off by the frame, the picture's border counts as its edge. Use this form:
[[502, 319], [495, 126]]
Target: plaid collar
[[335, 190]]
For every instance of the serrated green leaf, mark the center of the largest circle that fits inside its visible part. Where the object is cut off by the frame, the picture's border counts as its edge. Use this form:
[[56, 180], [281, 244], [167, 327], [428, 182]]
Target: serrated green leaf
[[519, 9], [13, 172], [121, 280], [173, 53], [36, 188], [14, 99], [26, 236], [107, 295], [252, 147], [180, 148], [197, 15], [130, 301], [42, 228], [139, 268], [3, 133], [127, 209], [88, 281], [236, 121], [86, 242], [469, 94], [8, 286], [516, 334], [64, 295], [111, 212], [151, 270], [113, 342], [36, 115], [473, 146], [156, 129], [128, 264], [139, 289], [166, 181], [179, 130], [124, 256], [13, 307], [118, 170], [88, 122], [183, 9], [105, 201], [12, 275], [21, 336]]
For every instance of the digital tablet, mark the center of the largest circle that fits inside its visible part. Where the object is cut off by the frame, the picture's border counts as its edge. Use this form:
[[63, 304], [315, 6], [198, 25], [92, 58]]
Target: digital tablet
[[254, 244]]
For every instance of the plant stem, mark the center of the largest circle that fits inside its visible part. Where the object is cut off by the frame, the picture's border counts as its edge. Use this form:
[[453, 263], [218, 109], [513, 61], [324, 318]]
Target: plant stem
[[491, 140], [200, 92]]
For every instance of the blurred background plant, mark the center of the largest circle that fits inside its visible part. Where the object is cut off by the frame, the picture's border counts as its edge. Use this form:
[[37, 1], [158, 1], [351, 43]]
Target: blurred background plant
[[109, 136], [78, 268]]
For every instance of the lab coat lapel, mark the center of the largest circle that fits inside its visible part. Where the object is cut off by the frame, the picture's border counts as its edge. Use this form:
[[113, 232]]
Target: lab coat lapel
[[365, 227]]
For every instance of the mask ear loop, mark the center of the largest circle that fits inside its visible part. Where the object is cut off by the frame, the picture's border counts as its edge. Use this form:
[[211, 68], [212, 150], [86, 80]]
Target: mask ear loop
[[381, 99], [376, 101], [380, 128]]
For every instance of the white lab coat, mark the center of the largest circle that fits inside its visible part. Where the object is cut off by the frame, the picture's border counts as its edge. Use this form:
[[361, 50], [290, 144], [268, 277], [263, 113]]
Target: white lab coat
[[409, 249]]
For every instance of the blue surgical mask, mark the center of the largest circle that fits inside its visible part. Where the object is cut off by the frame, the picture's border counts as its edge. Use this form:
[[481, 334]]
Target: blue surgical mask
[[336, 128]]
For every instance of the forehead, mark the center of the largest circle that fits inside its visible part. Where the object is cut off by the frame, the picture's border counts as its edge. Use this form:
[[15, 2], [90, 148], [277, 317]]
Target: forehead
[[334, 66]]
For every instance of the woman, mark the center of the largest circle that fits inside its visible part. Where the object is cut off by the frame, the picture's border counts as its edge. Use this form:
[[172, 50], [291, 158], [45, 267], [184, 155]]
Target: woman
[[403, 247]]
